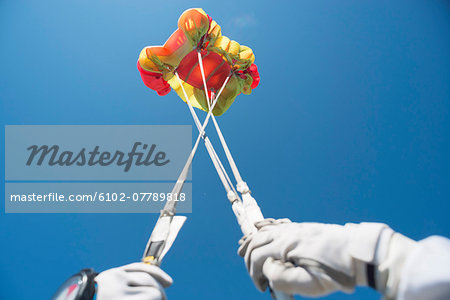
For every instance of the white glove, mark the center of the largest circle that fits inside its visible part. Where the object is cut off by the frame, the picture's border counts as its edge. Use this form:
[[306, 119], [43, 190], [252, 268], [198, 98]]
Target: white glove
[[136, 281], [313, 259]]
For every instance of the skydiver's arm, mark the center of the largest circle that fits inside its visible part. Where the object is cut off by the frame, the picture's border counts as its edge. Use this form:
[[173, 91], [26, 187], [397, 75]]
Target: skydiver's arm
[[314, 259], [426, 271]]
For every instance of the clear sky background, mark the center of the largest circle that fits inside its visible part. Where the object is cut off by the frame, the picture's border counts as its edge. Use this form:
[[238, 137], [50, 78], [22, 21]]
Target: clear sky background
[[350, 123]]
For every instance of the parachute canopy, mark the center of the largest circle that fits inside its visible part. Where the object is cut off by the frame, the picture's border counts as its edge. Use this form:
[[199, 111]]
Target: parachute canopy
[[221, 57]]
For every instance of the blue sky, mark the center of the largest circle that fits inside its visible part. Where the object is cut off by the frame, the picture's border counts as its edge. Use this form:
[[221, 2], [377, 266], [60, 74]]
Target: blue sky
[[350, 123]]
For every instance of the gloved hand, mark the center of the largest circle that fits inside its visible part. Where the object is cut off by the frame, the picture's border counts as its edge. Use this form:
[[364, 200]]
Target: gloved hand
[[313, 259], [136, 281]]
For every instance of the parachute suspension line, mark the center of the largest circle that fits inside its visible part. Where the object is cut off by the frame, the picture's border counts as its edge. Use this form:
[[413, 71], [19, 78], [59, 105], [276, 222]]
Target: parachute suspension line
[[170, 206], [229, 188], [252, 212], [240, 184], [222, 168], [200, 62], [216, 98], [236, 203]]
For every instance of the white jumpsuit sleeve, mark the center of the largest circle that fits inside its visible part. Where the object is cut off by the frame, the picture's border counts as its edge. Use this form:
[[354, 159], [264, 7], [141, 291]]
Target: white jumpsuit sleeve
[[426, 272]]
